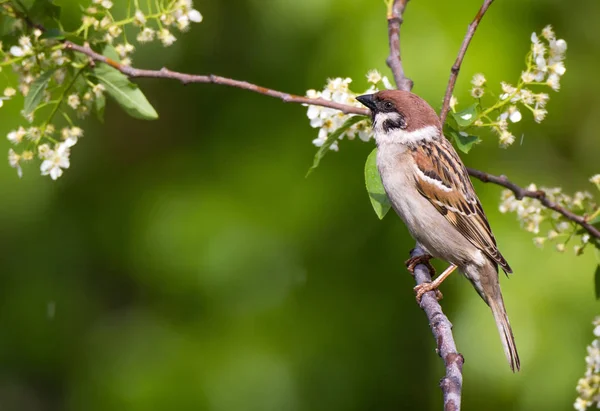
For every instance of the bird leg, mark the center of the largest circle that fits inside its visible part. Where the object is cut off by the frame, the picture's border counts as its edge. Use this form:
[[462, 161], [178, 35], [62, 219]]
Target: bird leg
[[433, 286], [412, 262]]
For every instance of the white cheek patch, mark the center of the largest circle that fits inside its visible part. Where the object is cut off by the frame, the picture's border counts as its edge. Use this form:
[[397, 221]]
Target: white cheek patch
[[381, 118], [397, 135]]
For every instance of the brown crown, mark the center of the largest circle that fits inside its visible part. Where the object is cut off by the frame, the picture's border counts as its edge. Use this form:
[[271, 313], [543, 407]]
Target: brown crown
[[416, 111]]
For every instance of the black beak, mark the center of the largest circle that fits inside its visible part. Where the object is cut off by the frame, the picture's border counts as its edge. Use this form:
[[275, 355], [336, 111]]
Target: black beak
[[367, 100]]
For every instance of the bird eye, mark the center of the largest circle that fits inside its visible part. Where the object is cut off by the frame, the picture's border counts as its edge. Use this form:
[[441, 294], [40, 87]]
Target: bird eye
[[388, 105]]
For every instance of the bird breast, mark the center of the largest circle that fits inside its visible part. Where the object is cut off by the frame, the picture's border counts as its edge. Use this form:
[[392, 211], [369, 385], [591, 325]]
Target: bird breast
[[426, 225]]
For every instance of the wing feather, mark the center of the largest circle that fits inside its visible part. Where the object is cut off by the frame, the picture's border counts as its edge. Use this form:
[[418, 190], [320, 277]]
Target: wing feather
[[442, 179]]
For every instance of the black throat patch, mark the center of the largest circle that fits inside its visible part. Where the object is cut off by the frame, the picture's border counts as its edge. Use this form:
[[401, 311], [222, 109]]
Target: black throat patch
[[399, 123]]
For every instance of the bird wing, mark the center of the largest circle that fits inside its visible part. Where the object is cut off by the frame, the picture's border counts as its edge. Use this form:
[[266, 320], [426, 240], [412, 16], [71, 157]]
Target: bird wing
[[441, 178]]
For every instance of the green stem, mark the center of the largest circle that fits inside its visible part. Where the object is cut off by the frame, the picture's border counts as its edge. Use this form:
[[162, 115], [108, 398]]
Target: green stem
[[131, 19], [12, 61], [66, 116], [62, 97], [594, 214], [42, 105]]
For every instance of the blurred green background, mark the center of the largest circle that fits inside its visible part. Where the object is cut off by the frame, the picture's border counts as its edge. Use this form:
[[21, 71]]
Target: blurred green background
[[187, 264]]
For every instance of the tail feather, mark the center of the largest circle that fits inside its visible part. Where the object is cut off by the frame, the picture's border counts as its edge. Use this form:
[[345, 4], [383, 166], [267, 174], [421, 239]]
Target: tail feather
[[506, 334]]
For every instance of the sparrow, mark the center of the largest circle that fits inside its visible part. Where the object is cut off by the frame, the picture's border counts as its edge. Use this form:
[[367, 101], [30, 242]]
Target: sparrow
[[429, 188]]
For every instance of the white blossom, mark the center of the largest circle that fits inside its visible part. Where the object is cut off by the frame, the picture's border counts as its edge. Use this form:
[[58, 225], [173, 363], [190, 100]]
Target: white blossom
[[17, 51], [146, 35], [139, 19], [581, 404], [541, 99], [107, 4], [105, 22], [514, 115], [195, 16], [453, 103], [16, 136], [478, 80], [477, 92], [90, 21], [374, 76], [588, 387], [114, 31], [55, 161], [166, 37], [548, 33], [98, 90], [539, 115], [34, 133], [73, 101], [71, 135], [328, 120], [506, 138], [554, 81], [14, 161], [528, 77]]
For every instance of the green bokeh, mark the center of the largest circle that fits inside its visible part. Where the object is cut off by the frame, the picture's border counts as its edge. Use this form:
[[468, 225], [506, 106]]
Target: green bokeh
[[187, 264]]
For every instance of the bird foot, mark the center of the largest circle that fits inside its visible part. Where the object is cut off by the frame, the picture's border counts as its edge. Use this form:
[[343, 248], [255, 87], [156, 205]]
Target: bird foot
[[425, 288], [412, 262]]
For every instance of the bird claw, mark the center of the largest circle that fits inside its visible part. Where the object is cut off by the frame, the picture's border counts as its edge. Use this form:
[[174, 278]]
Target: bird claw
[[425, 288], [412, 262]]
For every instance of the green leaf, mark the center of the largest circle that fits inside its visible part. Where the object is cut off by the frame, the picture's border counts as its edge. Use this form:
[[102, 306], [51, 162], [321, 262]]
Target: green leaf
[[123, 91], [466, 117], [36, 91], [55, 34], [597, 282], [5, 24], [43, 10], [99, 105], [464, 141], [379, 199], [331, 138]]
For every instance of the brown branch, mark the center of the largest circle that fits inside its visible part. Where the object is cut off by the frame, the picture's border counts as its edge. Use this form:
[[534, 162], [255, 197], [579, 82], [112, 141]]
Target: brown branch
[[459, 59], [441, 328], [394, 61], [210, 78], [539, 195]]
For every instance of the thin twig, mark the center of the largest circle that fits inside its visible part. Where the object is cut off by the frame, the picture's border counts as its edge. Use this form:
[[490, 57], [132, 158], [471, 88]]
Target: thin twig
[[394, 61], [441, 328], [210, 78], [539, 195], [459, 59]]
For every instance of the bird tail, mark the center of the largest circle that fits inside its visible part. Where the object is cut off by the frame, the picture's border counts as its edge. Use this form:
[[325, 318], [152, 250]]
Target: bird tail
[[506, 334]]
